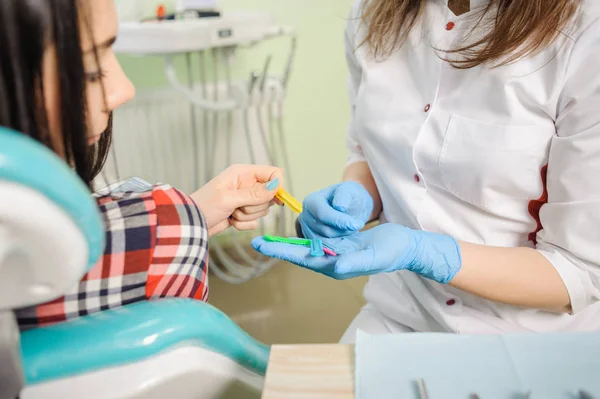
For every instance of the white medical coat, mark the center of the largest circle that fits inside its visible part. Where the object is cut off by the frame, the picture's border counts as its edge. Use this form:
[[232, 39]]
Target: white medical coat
[[474, 153]]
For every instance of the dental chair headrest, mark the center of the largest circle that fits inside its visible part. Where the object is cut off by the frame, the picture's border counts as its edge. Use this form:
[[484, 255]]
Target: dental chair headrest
[[51, 232]]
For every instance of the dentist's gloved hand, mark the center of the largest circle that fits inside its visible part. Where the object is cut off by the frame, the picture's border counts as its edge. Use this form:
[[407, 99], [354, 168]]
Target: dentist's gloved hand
[[336, 211], [382, 249]]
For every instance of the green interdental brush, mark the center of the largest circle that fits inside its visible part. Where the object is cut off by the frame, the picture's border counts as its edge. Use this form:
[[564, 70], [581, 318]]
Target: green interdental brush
[[293, 241]]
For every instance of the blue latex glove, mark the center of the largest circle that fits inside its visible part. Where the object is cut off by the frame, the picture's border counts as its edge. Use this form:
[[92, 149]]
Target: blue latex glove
[[336, 211], [384, 248]]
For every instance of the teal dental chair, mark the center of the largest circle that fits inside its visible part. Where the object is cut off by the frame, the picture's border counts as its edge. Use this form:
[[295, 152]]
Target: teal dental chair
[[50, 235]]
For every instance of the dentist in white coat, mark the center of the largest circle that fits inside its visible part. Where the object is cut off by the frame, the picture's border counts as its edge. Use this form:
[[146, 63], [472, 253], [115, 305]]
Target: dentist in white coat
[[475, 139]]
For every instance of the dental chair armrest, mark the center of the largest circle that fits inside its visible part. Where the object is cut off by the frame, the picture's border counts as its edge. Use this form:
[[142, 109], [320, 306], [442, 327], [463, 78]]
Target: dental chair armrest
[[133, 333]]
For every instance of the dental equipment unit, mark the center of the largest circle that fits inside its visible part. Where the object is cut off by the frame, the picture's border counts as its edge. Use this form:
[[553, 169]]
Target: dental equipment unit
[[220, 112]]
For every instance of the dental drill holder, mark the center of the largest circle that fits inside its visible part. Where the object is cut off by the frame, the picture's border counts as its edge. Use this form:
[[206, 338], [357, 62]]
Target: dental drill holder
[[218, 39]]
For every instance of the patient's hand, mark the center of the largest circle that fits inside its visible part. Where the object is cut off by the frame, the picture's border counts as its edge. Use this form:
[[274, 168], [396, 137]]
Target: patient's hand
[[239, 196]]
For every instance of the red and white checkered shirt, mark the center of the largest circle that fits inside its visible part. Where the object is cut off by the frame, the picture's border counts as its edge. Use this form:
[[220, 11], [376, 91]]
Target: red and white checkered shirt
[[156, 247]]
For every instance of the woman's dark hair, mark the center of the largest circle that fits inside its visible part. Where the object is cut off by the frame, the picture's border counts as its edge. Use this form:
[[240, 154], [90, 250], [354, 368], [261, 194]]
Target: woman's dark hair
[[27, 29]]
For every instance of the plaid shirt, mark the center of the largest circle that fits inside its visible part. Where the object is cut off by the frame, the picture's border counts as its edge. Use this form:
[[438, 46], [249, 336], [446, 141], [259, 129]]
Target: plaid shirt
[[156, 247]]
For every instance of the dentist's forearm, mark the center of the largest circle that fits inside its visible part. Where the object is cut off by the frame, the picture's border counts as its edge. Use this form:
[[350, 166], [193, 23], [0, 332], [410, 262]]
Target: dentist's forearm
[[360, 173], [515, 276]]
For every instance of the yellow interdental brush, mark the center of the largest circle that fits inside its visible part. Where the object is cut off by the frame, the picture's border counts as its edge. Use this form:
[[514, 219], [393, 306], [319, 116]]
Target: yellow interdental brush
[[288, 200]]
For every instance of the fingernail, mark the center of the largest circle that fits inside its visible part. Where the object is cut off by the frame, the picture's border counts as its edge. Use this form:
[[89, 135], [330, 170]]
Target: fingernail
[[273, 184]]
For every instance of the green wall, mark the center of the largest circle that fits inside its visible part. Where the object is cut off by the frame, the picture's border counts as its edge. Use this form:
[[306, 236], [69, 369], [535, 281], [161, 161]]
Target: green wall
[[317, 107]]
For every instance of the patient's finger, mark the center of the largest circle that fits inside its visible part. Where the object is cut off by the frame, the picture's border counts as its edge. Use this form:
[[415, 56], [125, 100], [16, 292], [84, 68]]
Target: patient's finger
[[244, 217], [219, 227], [250, 209], [244, 226]]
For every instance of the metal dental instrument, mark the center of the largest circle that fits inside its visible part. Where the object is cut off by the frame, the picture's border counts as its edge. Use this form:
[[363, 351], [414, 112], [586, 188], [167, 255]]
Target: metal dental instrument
[[422, 389], [259, 110], [253, 79], [193, 122], [215, 55], [585, 395], [204, 114], [265, 72], [253, 266]]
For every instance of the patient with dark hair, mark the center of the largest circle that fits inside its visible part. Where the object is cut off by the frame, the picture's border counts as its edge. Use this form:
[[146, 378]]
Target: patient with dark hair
[[60, 81]]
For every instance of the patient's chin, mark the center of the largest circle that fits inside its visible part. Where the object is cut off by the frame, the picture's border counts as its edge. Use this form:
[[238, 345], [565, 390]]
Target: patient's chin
[[92, 140]]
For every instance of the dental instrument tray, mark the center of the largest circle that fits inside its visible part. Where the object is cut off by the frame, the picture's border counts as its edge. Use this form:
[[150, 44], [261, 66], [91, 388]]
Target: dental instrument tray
[[485, 366], [181, 36]]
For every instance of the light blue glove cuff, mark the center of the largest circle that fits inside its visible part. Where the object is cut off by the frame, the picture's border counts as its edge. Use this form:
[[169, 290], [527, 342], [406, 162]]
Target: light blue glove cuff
[[437, 257]]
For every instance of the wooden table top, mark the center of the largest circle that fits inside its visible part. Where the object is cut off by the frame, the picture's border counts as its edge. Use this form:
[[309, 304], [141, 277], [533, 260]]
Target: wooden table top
[[310, 372]]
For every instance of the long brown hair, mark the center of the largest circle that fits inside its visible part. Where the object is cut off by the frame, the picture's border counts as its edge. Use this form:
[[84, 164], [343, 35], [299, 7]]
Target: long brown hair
[[517, 28]]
